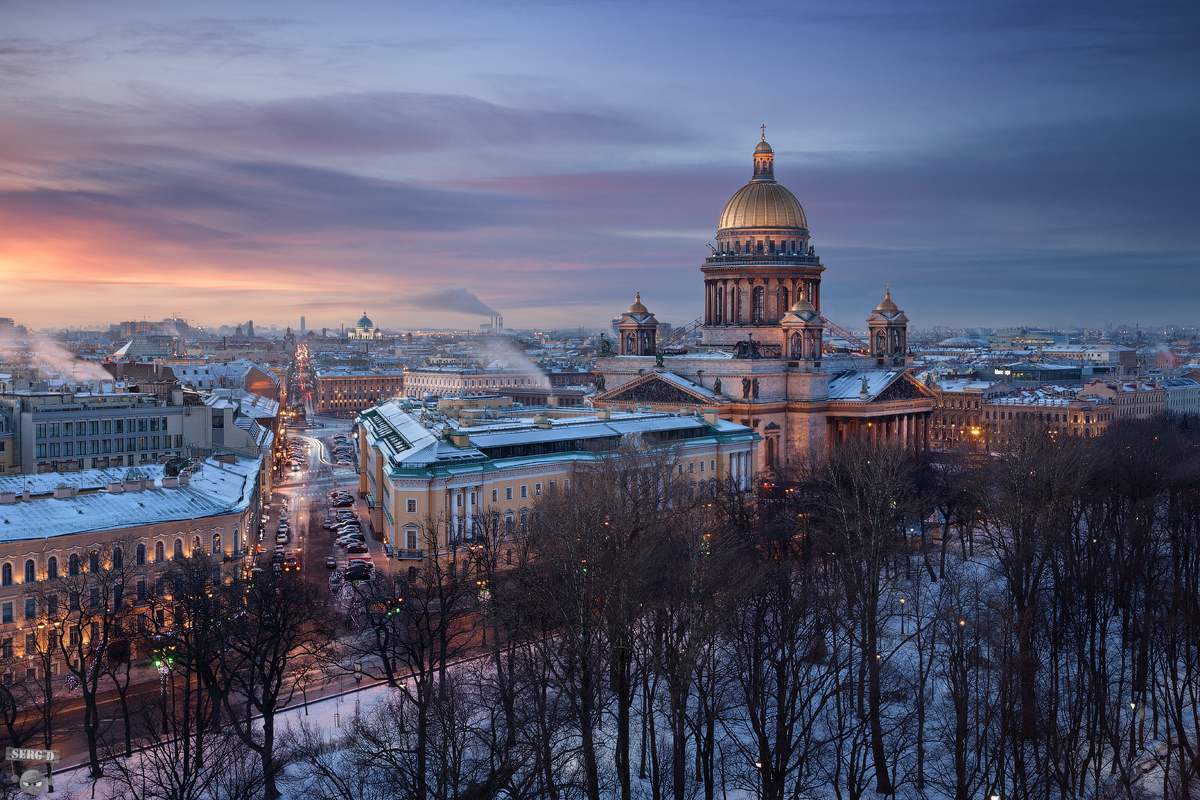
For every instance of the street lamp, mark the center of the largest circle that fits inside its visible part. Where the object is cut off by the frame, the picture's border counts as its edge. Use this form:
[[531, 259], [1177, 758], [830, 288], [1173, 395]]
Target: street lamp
[[901, 616]]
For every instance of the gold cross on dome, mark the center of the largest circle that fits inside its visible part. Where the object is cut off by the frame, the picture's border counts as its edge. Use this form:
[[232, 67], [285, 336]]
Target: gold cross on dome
[[764, 134]]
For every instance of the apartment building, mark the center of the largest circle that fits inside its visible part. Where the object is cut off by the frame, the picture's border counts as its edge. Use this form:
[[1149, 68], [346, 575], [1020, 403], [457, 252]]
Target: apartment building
[[1134, 399], [59, 526], [344, 392], [1058, 410]]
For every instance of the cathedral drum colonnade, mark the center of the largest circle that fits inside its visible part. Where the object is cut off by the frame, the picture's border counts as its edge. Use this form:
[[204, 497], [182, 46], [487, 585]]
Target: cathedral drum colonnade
[[762, 359]]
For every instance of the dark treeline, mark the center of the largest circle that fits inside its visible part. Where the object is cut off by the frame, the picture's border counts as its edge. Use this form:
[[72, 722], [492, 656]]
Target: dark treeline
[[1022, 624]]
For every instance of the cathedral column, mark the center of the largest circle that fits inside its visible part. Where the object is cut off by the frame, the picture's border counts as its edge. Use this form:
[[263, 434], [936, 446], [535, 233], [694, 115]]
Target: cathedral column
[[903, 420]]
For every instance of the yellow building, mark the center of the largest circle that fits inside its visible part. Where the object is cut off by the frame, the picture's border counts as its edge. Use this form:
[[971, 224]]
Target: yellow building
[[56, 526], [438, 472]]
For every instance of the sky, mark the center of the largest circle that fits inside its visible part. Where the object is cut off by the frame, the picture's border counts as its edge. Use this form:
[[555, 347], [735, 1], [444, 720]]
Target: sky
[[998, 163]]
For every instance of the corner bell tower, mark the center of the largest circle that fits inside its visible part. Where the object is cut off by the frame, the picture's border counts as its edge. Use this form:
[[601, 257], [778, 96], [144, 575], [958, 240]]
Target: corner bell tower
[[889, 334], [638, 329]]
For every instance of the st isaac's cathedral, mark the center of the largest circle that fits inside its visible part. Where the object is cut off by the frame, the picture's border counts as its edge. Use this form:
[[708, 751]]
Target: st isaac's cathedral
[[764, 359]]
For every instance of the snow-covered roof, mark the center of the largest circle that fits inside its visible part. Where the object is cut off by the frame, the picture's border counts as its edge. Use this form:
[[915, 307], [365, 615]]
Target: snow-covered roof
[[848, 385], [216, 489]]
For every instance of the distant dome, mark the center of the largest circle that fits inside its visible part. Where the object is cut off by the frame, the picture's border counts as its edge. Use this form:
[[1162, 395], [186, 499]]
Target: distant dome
[[763, 147], [887, 304], [365, 321], [762, 205], [637, 307]]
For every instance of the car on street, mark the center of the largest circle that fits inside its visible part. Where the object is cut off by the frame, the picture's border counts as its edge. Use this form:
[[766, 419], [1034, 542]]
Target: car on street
[[356, 548], [331, 563], [343, 503], [291, 562]]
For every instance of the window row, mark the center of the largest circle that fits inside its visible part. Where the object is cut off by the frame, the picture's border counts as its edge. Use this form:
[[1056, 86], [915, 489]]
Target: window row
[[116, 560], [98, 427]]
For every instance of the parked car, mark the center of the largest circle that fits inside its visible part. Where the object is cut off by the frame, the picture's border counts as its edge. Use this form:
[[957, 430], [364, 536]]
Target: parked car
[[331, 563], [281, 538]]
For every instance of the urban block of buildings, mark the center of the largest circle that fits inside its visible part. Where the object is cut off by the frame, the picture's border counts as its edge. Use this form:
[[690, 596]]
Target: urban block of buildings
[[440, 470]]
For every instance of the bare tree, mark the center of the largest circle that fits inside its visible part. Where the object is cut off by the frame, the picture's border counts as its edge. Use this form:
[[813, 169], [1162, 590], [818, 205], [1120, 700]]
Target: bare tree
[[275, 637]]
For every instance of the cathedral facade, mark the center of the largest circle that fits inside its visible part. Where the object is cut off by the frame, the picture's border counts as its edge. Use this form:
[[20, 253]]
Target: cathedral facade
[[764, 358]]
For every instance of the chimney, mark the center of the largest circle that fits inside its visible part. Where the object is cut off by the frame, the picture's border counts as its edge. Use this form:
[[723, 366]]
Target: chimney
[[710, 416], [552, 401], [115, 487], [170, 483], [7, 498], [134, 486], [460, 439], [185, 479], [25, 495], [63, 491], [604, 413]]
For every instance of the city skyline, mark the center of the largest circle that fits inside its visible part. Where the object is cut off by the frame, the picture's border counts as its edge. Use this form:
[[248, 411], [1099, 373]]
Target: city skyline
[[1002, 165]]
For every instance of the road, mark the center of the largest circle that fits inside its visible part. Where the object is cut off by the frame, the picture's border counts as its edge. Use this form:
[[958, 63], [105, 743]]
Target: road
[[303, 497]]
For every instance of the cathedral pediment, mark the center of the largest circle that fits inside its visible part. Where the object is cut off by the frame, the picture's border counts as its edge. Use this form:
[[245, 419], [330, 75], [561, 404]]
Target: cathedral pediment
[[656, 388]]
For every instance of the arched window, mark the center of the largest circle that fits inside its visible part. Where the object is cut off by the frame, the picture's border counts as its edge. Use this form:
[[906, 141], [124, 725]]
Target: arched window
[[6, 578], [140, 555], [797, 346], [630, 347], [52, 568], [216, 544], [197, 547], [73, 564], [771, 451], [159, 552], [784, 305], [30, 571], [94, 561], [118, 558], [179, 548], [756, 313]]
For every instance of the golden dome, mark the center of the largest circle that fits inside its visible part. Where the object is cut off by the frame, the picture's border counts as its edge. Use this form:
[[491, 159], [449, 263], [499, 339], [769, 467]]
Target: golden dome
[[763, 147], [887, 304], [762, 204], [637, 307], [801, 306]]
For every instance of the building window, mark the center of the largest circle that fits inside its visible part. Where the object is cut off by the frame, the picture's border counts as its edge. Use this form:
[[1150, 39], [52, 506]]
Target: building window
[[6, 575], [120, 426], [39, 451], [524, 490], [6, 612], [118, 558], [94, 561], [30, 571], [508, 493], [412, 508], [537, 490], [39, 431], [52, 568], [73, 564], [410, 538], [495, 495], [140, 555], [179, 548], [30, 608], [159, 555]]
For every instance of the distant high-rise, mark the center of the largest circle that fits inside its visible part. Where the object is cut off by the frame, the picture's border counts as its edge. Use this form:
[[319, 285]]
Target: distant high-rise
[[302, 325]]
